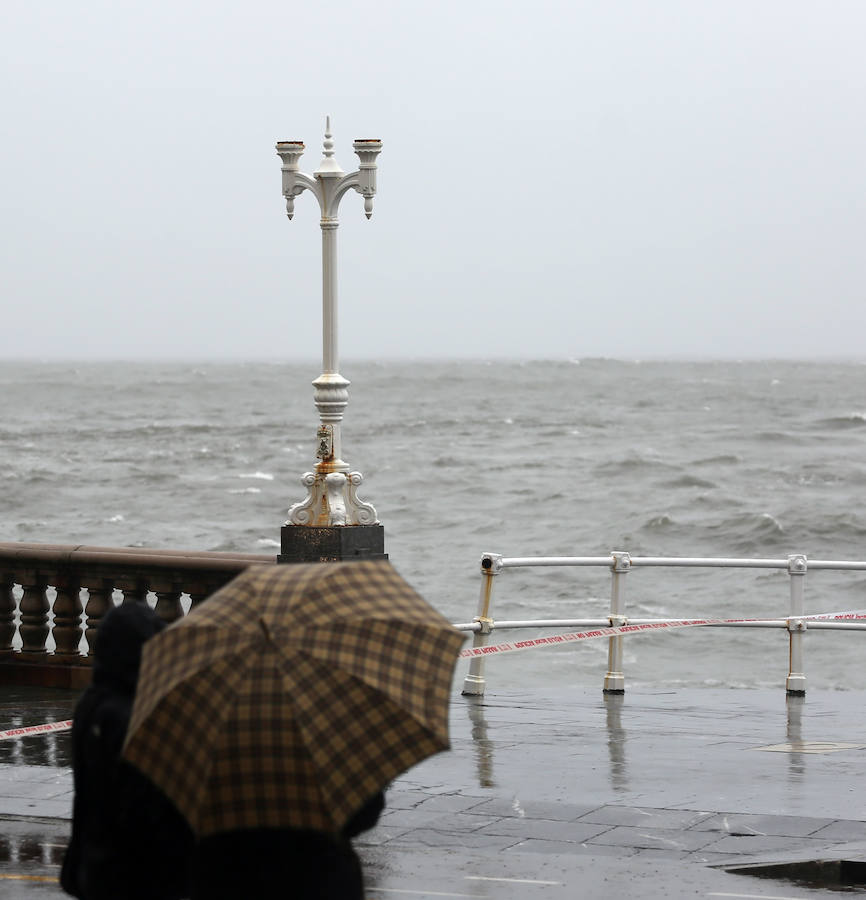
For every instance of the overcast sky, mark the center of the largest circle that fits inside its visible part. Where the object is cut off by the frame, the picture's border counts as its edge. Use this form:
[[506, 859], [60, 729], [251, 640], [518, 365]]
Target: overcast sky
[[667, 178]]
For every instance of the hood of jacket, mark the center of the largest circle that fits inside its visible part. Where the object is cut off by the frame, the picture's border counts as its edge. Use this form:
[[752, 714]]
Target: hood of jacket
[[117, 651]]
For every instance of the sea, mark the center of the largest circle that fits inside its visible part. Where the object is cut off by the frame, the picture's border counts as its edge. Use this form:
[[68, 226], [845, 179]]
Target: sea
[[522, 458]]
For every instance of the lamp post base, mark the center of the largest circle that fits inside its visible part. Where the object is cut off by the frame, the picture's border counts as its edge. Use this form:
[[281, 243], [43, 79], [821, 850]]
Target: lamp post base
[[331, 543]]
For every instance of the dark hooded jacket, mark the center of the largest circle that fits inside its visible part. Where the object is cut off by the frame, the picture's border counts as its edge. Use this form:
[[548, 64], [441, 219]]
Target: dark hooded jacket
[[283, 862], [128, 841]]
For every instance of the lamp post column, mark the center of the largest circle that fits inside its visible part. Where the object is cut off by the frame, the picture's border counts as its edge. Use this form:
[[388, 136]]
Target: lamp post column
[[331, 522]]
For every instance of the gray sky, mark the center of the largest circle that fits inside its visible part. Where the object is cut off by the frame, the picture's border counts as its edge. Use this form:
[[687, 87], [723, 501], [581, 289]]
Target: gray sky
[[559, 179]]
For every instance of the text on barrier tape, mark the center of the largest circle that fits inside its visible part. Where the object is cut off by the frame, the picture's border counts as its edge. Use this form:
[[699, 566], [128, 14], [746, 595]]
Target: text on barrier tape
[[615, 630], [47, 728]]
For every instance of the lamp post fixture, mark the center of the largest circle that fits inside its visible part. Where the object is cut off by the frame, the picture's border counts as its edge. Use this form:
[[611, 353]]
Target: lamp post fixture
[[331, 502]]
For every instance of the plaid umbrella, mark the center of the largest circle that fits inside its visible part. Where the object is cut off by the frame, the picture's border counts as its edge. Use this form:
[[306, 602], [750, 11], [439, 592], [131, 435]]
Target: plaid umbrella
[[292, 695]]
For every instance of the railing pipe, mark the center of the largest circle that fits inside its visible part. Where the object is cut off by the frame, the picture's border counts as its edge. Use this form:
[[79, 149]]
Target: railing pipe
[[505, 624], [614, 680], [621, 563], [491, 565], [838, 565], [836, 626], [796, 682], [709, 562], [510, 562]]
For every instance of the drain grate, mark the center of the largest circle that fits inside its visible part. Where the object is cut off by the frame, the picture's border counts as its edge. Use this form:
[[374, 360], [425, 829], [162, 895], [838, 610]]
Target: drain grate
[[847, 875]]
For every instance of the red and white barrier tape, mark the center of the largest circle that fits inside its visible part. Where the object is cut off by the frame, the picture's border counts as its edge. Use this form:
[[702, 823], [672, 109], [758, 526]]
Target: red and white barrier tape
[[513, 647], [47, 728], [614, 631]]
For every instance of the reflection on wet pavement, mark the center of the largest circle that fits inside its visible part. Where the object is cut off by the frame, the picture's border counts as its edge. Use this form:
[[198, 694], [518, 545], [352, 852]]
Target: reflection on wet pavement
[[483, 746], [616, 742], [31, 854], [796, 761], [29, 849], [21, 707]]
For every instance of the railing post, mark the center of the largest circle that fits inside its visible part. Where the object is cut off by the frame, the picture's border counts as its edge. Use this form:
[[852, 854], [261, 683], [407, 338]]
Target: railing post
[[491, 565], [614, 681], [796, 682]]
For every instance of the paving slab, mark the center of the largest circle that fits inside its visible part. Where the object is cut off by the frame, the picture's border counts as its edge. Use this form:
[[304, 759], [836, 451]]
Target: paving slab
[[546, 829], [651, 794], [792, 826], [646, 818]]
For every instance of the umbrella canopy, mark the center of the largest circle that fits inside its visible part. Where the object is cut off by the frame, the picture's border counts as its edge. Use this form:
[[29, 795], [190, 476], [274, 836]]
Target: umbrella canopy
[[292, 695]]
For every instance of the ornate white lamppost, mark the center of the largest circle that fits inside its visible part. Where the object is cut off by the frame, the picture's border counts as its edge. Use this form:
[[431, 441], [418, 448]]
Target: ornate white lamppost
[[331, 522]]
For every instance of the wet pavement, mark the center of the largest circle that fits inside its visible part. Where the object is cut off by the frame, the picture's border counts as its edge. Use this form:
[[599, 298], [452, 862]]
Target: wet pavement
[[652, 794]]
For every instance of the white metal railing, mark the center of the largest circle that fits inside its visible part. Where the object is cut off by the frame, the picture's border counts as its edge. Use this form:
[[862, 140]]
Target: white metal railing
[[620, 564]]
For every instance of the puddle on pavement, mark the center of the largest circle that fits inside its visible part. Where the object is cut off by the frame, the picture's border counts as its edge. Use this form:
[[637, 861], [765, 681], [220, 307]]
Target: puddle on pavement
[[21, 707], [37, 750], [31, 850], [843, 875]]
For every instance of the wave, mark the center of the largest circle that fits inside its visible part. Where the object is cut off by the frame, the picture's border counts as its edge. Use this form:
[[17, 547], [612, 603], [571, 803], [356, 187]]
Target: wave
[[32, 476], [448, 462], [746, 534], [724, 459], [776, 436], [749, 533], [658, 523], [630, 464], [840, 527], [687, 481], [843, 423]]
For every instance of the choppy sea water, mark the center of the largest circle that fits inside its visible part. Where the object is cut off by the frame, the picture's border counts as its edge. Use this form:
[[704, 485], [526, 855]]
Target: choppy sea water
[[756, 459]]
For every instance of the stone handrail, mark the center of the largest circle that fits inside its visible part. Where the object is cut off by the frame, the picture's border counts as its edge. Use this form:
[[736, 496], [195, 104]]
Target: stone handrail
[[100, 571]]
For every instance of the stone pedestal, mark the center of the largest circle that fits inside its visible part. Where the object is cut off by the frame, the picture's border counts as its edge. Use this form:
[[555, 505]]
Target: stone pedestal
[[332, 543]]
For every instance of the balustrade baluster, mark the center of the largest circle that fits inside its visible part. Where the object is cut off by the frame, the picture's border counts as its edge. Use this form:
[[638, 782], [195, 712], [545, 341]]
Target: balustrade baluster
[[7, 614], [99, 601], [137, 594], [109, 576], [196, 597], [168, 606], [34, 625], [67, 618]]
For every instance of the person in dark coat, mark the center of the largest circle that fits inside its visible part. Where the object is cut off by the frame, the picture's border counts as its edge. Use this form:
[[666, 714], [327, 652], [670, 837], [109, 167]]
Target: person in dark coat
[[128, 841], [283, 862]]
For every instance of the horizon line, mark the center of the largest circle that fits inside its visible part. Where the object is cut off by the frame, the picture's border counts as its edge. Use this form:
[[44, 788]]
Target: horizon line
[[421, 358]]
